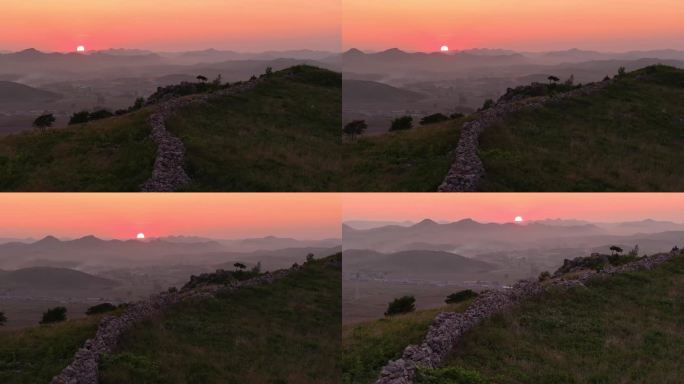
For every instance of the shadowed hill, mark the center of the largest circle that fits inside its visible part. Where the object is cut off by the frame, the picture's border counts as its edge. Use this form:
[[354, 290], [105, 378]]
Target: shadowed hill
[[625, 137], [282, 134], [53, 280], [11, 93]]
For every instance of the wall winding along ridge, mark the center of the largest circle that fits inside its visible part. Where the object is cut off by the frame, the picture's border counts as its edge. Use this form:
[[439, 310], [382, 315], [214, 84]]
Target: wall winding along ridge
[[448, 327], [467, 170], [84, 369]]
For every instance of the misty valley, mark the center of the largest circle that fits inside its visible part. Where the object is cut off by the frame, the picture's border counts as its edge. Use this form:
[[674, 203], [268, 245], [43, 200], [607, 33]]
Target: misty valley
[[78, 274], [431, 260]]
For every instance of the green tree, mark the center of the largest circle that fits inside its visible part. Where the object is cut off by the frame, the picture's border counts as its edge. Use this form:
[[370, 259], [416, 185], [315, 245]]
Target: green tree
[[553, 79], [615, 249], [44, 121], [622, 72], [202, 78], [355, 128], [239, 266], [402, 123], [54, 315], [404, 304]]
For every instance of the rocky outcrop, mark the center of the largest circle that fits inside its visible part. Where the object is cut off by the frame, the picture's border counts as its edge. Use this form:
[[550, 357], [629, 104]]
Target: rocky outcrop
[[448, 327], [84, 367], [467, 171]]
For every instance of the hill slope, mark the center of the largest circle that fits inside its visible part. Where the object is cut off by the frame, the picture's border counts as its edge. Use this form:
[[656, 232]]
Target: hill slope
[[287, 332], [626, 328], [282, 135], [627, 137], [15, 93], [53, 280]]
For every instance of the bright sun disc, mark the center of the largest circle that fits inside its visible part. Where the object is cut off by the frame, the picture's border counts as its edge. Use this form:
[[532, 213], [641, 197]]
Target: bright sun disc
[[80, 48], [141, 235], [518, 219], [444, 48]]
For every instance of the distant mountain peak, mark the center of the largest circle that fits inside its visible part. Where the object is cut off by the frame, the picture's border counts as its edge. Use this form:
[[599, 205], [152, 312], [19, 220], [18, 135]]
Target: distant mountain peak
[[426, 222], [48, 239]]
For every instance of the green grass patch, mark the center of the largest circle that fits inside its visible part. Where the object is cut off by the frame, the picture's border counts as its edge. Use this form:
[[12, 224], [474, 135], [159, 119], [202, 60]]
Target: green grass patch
[[288, 332], [368, 346], [627, 137], [113, 154], [37, 354], [626, 329], [282, 136], [406, 161]]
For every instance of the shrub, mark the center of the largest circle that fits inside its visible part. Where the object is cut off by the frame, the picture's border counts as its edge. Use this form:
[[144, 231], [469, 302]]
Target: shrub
[[434, 118], [355, 128], [400, 305], [309, 257], [100, 308], [402, 123], [44, 121], [622, 72], [460, 296], [54, 315], [544, 276], [487, 104], [100, 114], [79, 117], [3, 319], [456, 115]]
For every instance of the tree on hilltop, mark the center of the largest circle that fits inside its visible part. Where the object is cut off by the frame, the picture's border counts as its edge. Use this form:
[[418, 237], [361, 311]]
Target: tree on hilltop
[[615, 249], [355, 128], [553, 79], [202, 78], [44, 121], [239, 266]]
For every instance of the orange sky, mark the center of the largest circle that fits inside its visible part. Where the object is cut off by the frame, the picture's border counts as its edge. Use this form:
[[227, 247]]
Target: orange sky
[[121, 215], [503, 207], [536, 25], [254, 25]]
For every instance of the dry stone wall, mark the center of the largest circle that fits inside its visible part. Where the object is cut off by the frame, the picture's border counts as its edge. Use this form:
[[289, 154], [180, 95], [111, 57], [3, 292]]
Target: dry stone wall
[[168, 174], [467, 171], [448, 327], [84, 368]]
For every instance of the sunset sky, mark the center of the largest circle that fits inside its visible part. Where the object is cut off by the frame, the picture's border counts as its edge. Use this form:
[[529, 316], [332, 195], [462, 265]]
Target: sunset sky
[[503, 207], [534, 25], [171, 25], [120, 215]]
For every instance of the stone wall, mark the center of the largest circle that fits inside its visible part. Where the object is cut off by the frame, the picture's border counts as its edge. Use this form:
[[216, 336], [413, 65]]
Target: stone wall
[[84, 368], [467, 171], [168, 174], [448, 327]]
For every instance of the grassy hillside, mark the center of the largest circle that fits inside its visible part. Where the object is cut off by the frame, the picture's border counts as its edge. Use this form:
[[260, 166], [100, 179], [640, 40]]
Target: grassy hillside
[[35, 355], [628, 137], [287, 332], [113, 154], [366, 347], [627, 329], [415, 160], [281, 136]]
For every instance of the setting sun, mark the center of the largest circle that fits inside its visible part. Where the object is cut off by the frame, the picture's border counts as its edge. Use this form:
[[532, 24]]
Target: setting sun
[[80, 49], [518, 219], [444, 48], [140, 236]]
